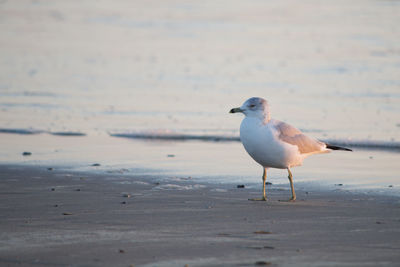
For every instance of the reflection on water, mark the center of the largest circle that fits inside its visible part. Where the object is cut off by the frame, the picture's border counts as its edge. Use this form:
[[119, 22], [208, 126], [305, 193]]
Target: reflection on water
[[212, 162]]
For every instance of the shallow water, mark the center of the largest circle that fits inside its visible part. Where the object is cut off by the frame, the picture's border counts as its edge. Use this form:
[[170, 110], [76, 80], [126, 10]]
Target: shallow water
[[226, 163], [331, 69], [158, 68]]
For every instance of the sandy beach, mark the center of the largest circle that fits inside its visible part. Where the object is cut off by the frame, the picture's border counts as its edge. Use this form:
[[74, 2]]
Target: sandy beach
[[117, 147], [54, 217]]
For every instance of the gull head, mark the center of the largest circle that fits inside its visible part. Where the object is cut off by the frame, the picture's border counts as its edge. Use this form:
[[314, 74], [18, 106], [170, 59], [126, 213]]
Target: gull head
[[254, 107]]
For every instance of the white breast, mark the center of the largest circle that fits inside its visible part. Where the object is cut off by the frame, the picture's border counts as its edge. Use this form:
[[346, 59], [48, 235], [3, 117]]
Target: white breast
[[263, 145]]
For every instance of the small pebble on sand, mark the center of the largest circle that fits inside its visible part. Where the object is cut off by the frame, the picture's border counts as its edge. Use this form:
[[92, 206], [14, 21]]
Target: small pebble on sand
[[269, 247], [262, 263], [26, 153], [262, 232]]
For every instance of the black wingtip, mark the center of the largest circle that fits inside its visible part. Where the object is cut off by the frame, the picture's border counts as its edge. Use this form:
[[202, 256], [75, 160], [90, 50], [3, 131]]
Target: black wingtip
[[337, 147]]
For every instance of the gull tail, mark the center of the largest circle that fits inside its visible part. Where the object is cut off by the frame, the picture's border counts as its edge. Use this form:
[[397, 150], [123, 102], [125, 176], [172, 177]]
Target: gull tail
[[337, 147]]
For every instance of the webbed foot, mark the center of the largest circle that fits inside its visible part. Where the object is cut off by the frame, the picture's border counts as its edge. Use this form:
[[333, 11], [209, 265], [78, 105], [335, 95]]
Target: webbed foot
[[292, 199]]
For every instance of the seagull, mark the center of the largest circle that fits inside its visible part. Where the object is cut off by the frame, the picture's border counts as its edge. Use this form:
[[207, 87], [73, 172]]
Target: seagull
[[273, 143]]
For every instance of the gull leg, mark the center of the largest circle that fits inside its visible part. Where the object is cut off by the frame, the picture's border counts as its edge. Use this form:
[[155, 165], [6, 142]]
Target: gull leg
[[264, 198], [293, 198]]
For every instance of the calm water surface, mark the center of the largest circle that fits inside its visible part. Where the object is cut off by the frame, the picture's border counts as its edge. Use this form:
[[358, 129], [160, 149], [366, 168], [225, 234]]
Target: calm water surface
[[96, 68]]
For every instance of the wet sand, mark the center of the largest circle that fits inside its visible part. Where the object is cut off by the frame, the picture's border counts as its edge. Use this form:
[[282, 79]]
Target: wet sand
[[64, 218]]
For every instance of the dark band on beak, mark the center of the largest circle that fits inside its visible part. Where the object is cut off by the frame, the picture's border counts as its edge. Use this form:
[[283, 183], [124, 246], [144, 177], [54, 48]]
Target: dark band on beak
[[235, 110]]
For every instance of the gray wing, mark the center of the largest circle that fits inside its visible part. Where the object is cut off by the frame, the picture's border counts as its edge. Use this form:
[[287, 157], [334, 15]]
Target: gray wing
[[294, 136]]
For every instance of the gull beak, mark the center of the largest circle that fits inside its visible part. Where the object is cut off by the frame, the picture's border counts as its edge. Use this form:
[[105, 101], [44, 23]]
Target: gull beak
[[236, 110]]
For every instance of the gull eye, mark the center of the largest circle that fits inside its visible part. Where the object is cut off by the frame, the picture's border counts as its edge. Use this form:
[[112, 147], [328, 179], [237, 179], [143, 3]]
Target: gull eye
[[252, 106]]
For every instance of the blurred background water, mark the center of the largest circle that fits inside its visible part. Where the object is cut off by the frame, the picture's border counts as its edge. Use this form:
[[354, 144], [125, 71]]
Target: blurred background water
[[331, 68], [95, 68]]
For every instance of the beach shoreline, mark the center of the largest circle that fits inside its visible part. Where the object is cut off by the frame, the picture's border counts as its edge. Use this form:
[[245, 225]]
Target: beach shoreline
[[63, 217], [118, 148]]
